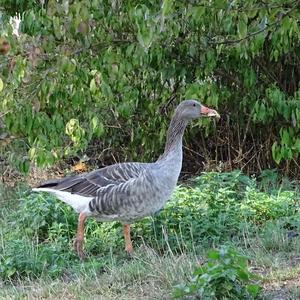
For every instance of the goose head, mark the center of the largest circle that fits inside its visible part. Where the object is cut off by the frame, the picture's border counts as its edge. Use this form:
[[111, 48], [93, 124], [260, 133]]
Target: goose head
[[192, 109]]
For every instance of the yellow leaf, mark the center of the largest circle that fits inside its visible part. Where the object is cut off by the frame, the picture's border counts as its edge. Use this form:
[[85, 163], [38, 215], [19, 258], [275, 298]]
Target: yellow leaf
[[1, 85], [81, 167]]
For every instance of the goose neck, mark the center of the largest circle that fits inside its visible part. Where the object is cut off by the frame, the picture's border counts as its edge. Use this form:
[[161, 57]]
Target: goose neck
[[174, 135]]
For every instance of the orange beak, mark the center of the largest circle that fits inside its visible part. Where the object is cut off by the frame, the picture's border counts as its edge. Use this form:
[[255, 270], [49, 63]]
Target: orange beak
[[207, 112]]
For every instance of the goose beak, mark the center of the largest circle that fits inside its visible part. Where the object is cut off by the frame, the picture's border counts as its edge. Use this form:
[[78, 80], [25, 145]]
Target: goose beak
[[207, 112]]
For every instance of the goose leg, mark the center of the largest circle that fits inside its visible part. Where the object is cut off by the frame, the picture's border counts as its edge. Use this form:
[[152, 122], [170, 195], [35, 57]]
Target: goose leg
[[79, 236], [128, 243]]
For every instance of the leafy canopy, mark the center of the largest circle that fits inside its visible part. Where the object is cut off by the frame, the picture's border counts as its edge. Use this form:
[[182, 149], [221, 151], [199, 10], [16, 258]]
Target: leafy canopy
[[104, 73]]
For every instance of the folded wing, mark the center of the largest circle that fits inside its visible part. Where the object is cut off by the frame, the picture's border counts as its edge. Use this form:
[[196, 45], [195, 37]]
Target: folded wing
[[88, 184]]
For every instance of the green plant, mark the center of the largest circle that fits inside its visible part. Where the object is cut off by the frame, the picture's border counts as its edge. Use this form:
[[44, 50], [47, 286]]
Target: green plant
[[36, 237], [224, 276], [216, 207], [24, 257], [213, 209], [89, 73], [42, 214], [260, 207]]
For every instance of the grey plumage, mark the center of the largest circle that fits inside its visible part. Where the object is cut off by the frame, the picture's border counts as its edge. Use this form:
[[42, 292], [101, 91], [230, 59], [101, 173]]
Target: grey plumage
[[129, 191]]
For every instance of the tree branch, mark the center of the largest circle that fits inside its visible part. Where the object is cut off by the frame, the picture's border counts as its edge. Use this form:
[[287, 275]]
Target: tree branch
[[228, 42]]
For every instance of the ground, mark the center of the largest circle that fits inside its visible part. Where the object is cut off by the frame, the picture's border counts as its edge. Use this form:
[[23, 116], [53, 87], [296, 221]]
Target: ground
[[145, 276], [37, 230]]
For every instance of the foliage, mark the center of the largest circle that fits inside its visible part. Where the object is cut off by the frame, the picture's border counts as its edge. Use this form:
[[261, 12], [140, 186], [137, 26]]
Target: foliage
[[97, 72], [218, 206], [224, 276], [42, 216], [36, 236], [23, 257], [269, 207]]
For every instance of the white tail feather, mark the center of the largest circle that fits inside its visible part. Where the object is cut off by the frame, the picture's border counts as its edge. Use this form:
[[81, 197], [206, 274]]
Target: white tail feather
[[79, 203]]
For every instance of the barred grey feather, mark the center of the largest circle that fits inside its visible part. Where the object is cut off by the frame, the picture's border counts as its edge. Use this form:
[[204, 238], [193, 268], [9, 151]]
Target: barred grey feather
[[87, 184]]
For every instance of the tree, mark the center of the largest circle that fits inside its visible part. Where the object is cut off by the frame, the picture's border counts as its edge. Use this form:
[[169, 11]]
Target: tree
[[105, 74]]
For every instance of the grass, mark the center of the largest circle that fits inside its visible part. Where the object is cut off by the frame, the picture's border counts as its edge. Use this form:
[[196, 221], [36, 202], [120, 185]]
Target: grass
[[146, 275], [258, 218]]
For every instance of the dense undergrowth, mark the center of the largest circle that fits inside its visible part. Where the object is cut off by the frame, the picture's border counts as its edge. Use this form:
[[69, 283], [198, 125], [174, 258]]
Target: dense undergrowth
[[37, 230]]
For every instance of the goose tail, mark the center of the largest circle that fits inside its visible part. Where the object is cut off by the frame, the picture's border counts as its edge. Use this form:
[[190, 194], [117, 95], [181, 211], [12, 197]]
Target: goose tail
[[78, 202]]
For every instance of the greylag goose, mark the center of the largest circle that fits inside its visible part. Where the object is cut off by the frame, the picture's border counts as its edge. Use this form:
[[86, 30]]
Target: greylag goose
[[129, 191]]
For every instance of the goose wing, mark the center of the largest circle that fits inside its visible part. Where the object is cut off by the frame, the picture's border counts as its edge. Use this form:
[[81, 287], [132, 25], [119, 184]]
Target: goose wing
[[87, 184], [128, 200]]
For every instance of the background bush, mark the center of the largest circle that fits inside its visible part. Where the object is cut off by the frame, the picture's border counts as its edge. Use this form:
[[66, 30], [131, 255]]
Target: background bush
[[98, 77]]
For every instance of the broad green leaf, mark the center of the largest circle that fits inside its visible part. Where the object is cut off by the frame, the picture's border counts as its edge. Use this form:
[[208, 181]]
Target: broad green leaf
[[297, 145], [227, 23], [166, 7], [213, 254], [106, 90], [93, 87], [71, 126], [57, 27], [242, 29], [97, 127], [276, 153], [145, 37], [243, 275], [94, 123], [253, 289]]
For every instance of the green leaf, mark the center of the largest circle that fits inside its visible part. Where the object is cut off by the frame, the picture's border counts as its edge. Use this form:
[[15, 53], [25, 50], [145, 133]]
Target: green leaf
[[276, 54], [106, 90], [227, 23], [24, 166], [71, 126], [57, 28], [297, 145], [1, 85], [97, 127], [242, 29], [213, 254], [243, 275], [145, 37], [276, 154], [94, 123], [285, 137], [32, 153], [286, 24], [166, 7], [253, 289], [41, 158], [93, 87], [10, 272]]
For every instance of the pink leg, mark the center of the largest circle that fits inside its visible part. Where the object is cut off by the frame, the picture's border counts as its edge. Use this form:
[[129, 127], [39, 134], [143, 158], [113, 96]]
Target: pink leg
[[128, 243], [79, 236]]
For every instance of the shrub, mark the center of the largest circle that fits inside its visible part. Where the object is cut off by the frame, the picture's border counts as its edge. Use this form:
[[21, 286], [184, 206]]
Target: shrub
[[42, 215], [224, 276], [260, 207], [24, 257], [215, 209], [101, 78]]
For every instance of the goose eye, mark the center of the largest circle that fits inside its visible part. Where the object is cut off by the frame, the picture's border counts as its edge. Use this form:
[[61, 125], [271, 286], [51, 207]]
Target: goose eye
[[194, 104]]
